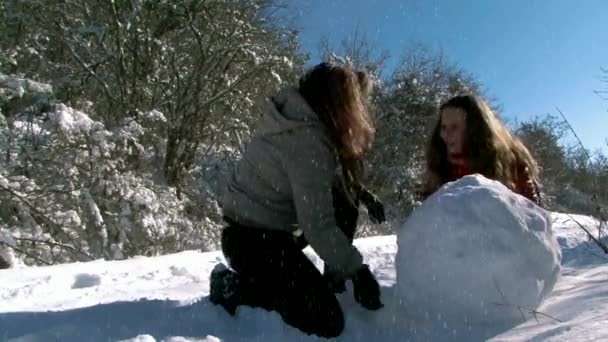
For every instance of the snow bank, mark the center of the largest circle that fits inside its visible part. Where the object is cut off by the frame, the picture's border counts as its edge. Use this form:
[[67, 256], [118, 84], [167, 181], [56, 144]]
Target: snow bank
[[475, 254]]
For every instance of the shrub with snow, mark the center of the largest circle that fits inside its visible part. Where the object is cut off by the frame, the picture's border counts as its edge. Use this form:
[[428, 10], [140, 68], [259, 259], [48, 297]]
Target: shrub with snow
[[74, 190], [475, 254]]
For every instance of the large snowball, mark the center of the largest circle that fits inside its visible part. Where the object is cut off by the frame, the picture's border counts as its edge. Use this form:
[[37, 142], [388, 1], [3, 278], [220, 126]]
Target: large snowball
[[475, 253]]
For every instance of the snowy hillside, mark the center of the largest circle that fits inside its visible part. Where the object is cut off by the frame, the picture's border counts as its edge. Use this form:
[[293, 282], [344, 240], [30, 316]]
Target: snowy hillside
[[165, 298]]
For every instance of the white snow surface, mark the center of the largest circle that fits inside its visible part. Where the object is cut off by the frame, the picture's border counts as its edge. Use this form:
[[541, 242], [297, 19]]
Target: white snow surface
[[475, 256], [165, 298]]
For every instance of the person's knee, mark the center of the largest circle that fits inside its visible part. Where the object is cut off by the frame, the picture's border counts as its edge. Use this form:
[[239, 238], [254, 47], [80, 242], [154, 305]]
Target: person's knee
[[326, 320], [332, 325]]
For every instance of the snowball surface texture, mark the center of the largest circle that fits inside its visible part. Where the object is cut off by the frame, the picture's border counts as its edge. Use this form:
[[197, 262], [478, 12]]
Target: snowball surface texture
[[475, 253]]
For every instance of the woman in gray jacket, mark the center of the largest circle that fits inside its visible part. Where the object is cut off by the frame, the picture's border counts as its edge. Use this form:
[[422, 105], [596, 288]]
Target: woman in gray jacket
[[283, 187]]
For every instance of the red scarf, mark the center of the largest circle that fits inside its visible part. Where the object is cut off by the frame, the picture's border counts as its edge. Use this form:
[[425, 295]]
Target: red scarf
[[460, 167]]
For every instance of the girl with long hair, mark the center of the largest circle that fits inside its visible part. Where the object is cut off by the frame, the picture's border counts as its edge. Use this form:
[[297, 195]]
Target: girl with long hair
[[469, 138], [283, 187]]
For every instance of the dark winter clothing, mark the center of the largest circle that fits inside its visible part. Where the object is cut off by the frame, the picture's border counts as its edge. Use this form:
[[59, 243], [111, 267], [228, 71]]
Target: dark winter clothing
[[367, 289], [274, 274], [290, 272], [286, 184], [284, 180], [346, 213], [346, 210]]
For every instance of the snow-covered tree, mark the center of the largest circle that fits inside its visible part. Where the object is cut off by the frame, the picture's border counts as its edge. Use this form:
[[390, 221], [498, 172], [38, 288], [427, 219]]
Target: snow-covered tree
[[201, 63], [573, 178], [112, 111]]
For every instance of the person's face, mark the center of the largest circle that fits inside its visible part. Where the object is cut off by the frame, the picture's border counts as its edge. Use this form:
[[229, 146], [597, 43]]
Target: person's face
[[453, 124]]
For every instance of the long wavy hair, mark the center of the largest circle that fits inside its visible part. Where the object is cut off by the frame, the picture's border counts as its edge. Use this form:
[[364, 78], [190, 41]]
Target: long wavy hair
[[489, 147], [339, 96]]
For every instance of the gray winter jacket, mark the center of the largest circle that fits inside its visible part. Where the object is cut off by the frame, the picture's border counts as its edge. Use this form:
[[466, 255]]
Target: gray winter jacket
[[284, 179]]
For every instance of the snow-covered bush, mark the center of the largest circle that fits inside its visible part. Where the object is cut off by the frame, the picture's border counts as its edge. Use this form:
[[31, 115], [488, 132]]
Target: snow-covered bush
[[71, 189]]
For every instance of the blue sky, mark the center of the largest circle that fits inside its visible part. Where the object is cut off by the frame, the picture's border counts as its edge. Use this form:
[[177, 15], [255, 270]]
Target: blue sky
[[531, 56]]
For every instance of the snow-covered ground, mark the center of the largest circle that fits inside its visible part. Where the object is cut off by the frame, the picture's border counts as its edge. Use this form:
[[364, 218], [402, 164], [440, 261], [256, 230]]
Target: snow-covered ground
[[165, 298]]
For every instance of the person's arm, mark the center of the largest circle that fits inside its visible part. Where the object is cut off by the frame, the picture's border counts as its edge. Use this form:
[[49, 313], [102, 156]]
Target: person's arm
[[310, 166], [374, 206]]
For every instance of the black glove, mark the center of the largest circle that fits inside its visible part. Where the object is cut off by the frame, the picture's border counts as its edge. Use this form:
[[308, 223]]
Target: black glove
[[366, 289], [375, 208]]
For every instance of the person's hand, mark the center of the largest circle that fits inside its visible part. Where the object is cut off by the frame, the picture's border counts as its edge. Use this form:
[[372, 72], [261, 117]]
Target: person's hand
[[374, 206], [366, 289]]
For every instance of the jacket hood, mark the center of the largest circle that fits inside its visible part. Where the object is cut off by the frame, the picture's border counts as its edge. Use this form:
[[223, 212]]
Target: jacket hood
[[286, 110]]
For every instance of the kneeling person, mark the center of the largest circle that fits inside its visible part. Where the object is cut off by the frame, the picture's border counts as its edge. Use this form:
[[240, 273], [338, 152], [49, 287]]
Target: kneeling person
[[284, 183]]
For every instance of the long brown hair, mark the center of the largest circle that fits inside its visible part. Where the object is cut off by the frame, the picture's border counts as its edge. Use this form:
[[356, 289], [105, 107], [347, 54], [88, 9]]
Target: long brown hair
[[489, 146], [339, 95]]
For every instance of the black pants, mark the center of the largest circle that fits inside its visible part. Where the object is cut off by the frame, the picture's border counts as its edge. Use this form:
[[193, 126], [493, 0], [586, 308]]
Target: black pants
[[274, 274]]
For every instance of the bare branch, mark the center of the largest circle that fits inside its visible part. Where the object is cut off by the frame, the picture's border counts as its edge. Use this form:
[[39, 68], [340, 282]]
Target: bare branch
[[19, 250], [521, 308], [574, 133], [119, 47], [545, 315], [38, 214], [597, 241], [91, 72], [57, 244]]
